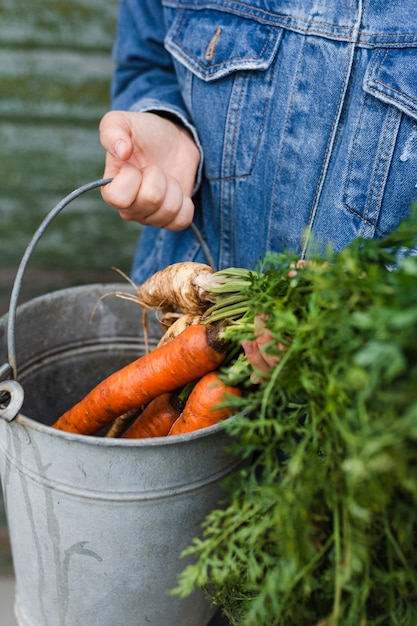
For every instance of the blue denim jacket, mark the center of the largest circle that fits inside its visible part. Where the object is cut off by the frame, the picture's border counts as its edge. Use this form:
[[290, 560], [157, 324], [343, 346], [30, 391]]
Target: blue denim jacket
[[305, 112]]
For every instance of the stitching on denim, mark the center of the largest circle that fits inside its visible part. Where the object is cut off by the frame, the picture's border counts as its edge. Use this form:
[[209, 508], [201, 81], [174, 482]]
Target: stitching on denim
[[235, 104], [239, 103], [363, 217], [393, 101], [353, 153], [365, 7], [400, 93], [362, 33], [226, 189], [182, 20], [281, 20], [258, 13], [375, 174], [217, 179], [376, 229], [378, 172], [379, 34], [378, 81], [352, 157], [329, 143], [265, 109], [393, 116], [372, 34], [284, 135], [294, 17], [238, 112]]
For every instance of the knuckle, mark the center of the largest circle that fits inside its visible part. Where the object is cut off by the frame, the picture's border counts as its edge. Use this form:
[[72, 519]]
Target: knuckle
[[185, 215], [152, 196]]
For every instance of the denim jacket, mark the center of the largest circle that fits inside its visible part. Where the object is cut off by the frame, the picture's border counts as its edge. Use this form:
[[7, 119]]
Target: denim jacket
[[305, 112]]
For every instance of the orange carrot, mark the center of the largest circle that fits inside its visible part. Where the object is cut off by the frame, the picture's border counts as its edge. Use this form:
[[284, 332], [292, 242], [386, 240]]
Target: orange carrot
[[155, 420], [189, 356], [204, 405]]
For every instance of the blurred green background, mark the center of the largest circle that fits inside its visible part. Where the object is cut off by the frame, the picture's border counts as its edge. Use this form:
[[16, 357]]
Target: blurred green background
[[55, 73]]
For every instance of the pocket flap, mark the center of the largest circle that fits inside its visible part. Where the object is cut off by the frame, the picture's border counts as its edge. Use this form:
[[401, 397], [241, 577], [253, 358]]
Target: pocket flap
[[212, 44], [392, 77]]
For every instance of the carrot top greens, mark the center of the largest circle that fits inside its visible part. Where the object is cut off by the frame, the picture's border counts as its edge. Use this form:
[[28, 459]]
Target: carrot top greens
[[321, 527]]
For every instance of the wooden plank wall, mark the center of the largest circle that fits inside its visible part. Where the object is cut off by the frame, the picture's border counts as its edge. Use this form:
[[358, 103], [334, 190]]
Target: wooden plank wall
[[55, 73]]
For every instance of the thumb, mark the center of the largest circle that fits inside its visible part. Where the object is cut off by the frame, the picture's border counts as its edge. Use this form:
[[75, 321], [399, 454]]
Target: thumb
[[115, 135], [122, 149]]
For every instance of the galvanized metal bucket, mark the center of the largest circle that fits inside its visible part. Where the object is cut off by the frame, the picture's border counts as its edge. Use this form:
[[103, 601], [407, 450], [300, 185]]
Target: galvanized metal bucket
[[96, 524]]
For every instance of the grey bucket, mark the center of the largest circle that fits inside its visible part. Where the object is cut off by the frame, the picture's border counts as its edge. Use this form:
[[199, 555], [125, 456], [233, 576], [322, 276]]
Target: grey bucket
[[96, 524]]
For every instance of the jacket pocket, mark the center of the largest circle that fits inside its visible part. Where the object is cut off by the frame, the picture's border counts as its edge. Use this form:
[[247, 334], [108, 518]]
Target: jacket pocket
[[223, 63], [392, 78], [381, 181]]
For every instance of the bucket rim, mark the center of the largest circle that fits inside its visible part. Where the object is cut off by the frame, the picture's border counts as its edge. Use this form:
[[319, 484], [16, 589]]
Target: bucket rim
[[109, 442], [115, 442]]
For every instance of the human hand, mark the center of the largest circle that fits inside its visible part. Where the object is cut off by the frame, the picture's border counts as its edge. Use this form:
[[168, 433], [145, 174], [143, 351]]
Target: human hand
[[256, 353], [153, 163], [255, 350]]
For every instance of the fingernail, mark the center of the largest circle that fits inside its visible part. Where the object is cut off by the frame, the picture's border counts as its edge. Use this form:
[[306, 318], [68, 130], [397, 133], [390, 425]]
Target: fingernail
[[120, 148]]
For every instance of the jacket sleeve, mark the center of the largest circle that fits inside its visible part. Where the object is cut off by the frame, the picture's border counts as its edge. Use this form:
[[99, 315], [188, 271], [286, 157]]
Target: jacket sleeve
[[144, 73], [144, 78]]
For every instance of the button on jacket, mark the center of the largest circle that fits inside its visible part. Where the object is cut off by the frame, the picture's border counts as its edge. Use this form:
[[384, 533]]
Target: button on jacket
[[305, 113]]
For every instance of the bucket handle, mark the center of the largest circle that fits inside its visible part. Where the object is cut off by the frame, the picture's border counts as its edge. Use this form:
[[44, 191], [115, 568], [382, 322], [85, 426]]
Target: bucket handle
[[11, 392]]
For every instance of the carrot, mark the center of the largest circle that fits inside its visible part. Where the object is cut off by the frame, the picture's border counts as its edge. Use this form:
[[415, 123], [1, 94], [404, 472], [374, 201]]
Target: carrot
[[155, 420], [204, 405], [187, 357]]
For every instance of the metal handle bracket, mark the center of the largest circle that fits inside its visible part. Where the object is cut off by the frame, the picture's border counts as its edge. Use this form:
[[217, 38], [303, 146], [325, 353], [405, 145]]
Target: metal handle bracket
[[11, 399]]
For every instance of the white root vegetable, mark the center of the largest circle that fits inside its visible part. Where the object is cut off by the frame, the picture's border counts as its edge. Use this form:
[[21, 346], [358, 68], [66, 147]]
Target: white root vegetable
[[169, 317], [174, 292], [185, 320], [176, 287]]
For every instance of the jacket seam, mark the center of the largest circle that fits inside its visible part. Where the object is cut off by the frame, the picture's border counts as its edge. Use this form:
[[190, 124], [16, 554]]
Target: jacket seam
[[281, 148], [293, 22], [376, 92], [375, 174], [325, 164]]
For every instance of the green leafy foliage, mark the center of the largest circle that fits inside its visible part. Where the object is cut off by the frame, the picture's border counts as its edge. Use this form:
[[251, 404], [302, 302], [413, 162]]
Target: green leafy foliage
[[321, 527]]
